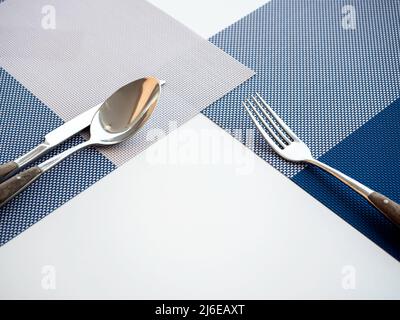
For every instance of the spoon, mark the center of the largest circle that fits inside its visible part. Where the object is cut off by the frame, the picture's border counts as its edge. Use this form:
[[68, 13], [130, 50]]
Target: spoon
[[118, 118]]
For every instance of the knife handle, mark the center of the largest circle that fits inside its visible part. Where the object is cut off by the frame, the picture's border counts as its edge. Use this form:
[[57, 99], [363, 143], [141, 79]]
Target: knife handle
[[9, 168], [13, 186]]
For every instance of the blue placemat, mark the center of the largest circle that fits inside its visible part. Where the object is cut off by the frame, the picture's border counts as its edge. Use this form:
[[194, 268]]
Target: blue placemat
[[24, 121], [331, 70]]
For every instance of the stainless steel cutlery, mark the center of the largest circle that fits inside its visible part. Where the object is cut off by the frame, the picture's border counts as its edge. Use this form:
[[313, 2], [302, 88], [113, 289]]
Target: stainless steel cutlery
[[286, 144], [51, 140], [115, 120], [127, 109]]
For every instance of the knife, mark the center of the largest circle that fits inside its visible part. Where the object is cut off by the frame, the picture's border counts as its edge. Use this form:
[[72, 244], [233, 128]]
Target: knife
[[51, 140]]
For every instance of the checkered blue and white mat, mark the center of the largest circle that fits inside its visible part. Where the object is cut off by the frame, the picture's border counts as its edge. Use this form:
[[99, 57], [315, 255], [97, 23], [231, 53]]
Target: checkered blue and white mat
[[331, 70]]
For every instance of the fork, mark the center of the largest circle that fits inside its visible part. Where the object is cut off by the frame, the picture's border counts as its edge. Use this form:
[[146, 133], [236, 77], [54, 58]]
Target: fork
[[286, 144]]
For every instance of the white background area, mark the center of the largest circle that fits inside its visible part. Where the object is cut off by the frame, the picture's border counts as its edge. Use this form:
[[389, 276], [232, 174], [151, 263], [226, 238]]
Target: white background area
[[228, 228]]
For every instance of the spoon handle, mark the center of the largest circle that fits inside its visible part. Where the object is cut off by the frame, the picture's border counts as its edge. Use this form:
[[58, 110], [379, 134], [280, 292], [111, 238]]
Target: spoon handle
[[13, 186], [50, 163]]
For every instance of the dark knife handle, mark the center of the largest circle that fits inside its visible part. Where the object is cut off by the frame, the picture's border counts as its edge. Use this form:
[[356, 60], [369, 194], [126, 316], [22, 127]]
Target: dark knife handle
[[7, 168], [13, 186]]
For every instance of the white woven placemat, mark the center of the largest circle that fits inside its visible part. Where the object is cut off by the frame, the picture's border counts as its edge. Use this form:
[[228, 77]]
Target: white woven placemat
[[97, 46]]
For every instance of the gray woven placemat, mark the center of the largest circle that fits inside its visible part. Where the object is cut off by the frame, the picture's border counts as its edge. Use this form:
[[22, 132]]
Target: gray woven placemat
[[97, 46]]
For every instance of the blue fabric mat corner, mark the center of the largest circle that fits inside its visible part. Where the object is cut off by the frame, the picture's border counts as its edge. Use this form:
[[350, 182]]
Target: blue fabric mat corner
[[31, 120], [338, 88], [373, 150]]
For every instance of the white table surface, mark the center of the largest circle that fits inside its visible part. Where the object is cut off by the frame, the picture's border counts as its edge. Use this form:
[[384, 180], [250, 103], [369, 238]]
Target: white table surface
[[232, 228]]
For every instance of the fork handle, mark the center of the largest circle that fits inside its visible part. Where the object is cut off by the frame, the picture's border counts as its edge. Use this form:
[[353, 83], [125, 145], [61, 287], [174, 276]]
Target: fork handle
[[388, 207]]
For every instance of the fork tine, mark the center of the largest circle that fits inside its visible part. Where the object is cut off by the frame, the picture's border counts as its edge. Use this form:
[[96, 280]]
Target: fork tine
[[279, 120], [279, 130], [270, 141], [276, 137]]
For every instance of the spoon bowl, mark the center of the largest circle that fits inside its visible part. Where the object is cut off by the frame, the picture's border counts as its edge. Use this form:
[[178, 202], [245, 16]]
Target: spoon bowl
[[125, 111]]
